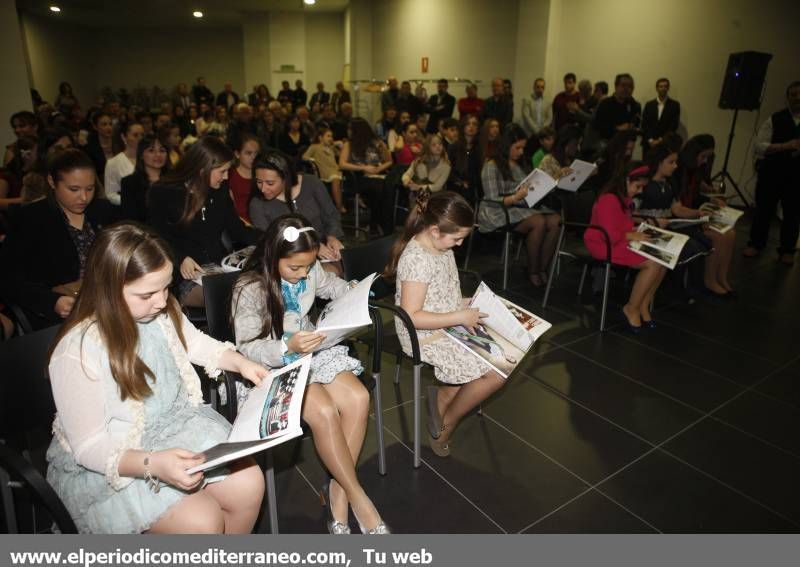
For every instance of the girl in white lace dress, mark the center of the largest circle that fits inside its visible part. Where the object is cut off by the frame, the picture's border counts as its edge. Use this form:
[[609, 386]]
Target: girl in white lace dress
[[270, 306], [131, 418], [428, 289]]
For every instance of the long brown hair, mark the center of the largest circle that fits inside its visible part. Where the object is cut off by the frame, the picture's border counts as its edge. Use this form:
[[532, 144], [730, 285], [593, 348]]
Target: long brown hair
[[447, 210], [193, 172], [122, 253], [618, 186], [262, 268]]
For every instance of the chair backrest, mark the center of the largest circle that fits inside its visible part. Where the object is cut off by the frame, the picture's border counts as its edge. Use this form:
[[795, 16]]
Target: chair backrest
[[361, 261], [217, 292], [27, 399], [578, 206], [25, 474]]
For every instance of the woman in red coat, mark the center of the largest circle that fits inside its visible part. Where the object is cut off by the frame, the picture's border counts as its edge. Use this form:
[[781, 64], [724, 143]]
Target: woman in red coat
[[613, 212]]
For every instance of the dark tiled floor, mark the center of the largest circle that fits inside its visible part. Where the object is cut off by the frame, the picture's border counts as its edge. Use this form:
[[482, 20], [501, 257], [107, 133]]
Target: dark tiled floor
[[689, 428]]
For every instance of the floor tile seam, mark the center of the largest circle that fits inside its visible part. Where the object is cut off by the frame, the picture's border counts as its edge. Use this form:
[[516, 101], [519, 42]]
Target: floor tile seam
[[717, 342], [674, 357], [730, 487], [776, 399], [758, 438], [565, 468], [394, 407], [558, 508], [447, 482], [571, 400], [637, 382]]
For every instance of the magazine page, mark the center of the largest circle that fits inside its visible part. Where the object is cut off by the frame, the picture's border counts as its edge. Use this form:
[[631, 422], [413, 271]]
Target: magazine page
[[683, 223], [722, 218], [233, 262], [343, 316], [663, 247], [515, 324], [581, 170], [269, 417], [539, 185]]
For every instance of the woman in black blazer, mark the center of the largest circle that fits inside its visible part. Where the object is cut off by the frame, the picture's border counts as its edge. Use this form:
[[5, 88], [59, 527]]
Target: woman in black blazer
[[190, 212], [48, 240], [152, 160]]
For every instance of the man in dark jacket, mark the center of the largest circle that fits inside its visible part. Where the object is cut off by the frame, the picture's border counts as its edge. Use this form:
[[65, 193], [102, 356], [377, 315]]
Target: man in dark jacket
[[440, 106], [661, 116], [227, 97], [201, 93], [498, 106]]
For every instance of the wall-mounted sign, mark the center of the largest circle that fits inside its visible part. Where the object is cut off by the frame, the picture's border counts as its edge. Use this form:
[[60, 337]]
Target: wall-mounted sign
[[424, 64]]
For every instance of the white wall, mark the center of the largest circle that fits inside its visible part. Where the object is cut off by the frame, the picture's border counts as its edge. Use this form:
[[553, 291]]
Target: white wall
[[687, 41], [14, 91], [324, 50]]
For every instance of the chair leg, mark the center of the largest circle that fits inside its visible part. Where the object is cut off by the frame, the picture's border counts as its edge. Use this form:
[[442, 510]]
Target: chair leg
[[583, 278], [469, 249], [376, 395], [519, 249], [606, 278], [553, 268], [397, 368], [272, 499], [8, 502], [506, 251], [417, 415]]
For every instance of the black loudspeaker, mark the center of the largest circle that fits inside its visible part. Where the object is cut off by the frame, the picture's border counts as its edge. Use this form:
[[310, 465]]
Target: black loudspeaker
[[744, 80]]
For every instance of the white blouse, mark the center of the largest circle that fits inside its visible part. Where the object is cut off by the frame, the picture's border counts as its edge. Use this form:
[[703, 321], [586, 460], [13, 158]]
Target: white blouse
[[117, 167], [92, 422]]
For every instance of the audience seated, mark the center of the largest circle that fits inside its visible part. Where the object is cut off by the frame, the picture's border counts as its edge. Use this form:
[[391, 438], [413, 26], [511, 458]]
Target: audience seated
[[409, 145], [293, 141], [489, 138], [395, 133], [190, 211], [323, 153], [122, 164], [152, 161], [24, 123], [466, 161], [44, 254], [279, 190], [500, 178], [130, 413], [692, 179], [240, 178], [612, 212], [546, 139], [364, 153], [429, 172], [99, 145]]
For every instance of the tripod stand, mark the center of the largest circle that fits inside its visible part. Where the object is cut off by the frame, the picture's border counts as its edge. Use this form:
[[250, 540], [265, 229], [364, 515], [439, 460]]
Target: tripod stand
[[723, 174]]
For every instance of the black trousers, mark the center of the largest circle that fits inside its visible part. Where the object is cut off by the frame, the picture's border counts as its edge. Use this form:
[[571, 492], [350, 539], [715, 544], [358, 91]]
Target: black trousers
[[771, 190]]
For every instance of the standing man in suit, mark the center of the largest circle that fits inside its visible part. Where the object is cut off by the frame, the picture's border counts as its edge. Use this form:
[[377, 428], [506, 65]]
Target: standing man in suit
[[320, 97], [181, 98], [339, 97], [201, 93], [661, 116], [498, 106], [440, 106], [227, 97]]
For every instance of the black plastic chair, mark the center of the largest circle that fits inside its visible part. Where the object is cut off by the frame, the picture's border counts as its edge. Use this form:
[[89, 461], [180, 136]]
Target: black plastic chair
[[506, 231], [217, 292], [17, 473], [359, 263], [27, 408]]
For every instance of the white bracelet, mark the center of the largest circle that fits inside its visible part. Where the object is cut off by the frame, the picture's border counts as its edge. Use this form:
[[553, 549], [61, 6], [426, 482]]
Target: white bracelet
[[153, 482]]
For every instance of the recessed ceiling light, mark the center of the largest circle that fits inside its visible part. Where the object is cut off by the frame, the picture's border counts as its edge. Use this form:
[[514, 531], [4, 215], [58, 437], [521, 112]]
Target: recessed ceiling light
[[197, 14], [55, 9], [309, 2]]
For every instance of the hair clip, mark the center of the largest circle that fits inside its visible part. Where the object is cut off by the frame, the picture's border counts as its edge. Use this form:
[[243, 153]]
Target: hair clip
[[292, 233]]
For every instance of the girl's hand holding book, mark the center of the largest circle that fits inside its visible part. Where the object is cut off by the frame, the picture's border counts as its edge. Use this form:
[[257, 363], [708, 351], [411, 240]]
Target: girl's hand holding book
[[304, 342], [252, 371], [471, 317], [170, 466], [637, 236]]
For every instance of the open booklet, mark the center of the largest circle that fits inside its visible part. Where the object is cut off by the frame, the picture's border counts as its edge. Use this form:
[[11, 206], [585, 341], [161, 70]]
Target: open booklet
[[345, 315], [506, 334], [722, 218], [664, 246], [539, 184], [581, 170], [676, 224], [233, 262], [269, 417]]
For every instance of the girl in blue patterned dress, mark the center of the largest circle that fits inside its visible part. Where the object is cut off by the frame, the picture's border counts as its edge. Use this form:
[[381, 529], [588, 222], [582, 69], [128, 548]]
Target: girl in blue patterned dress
[[131, 418], [270, 306]]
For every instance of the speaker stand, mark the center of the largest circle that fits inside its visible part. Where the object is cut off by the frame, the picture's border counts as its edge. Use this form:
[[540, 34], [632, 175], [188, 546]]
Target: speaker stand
[[723, 174]]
